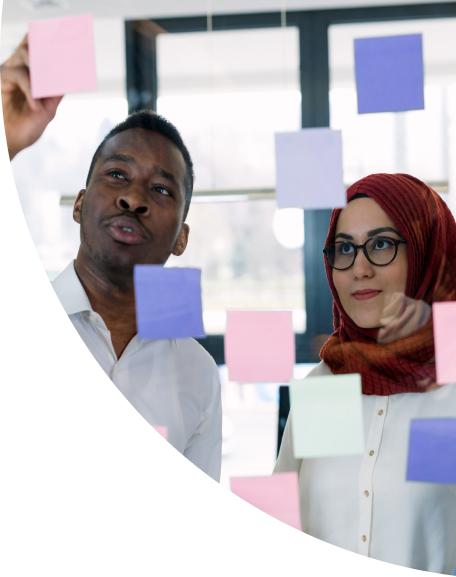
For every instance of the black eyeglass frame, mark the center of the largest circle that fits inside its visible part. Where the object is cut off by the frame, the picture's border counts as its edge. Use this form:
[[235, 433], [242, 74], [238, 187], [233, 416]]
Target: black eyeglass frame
[[395, 241]]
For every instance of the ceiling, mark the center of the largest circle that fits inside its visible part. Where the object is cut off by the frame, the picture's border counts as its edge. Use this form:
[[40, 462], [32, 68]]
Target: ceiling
[[21, 11]]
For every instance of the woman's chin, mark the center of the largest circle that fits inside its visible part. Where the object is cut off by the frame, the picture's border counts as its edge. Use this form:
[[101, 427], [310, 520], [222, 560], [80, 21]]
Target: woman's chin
[[367, 323]]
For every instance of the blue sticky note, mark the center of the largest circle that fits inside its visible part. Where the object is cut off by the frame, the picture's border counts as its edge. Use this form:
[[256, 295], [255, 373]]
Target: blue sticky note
[[432, 450], [389, 73], [168, 302]]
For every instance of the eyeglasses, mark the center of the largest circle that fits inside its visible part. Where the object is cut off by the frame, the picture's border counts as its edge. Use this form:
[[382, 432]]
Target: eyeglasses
[[379, 251]]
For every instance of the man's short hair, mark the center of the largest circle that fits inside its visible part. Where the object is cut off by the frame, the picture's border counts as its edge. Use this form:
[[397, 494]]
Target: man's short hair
[[149, 120]]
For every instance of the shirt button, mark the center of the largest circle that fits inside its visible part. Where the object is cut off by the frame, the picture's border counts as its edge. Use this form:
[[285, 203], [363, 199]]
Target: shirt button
[[380, 413], [364, 538], [366, 493], [371, 453]]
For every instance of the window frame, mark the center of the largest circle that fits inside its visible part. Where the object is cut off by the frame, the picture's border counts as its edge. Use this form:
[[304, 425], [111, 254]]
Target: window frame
[[314, 73]]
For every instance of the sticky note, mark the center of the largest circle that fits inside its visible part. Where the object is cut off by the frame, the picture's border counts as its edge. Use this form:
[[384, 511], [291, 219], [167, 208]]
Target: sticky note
[[432, 451], [277, 495], [61, 56], [259, 346], [309, 169], [444, 319], [162, 430], [168, 302], [327, 416], [389, 73]]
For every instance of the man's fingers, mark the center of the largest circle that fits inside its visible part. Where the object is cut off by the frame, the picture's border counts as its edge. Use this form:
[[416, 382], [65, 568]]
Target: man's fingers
[[51, 104], [23, 56], [20, 56], [19, 77]]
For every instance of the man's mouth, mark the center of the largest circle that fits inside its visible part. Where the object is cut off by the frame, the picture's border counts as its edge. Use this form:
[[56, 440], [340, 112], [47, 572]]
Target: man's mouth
[[126, 230], [362, 295]]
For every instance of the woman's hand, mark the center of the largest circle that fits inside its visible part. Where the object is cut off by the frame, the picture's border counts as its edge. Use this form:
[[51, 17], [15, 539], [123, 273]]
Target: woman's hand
[[401, 317], [25, 118]]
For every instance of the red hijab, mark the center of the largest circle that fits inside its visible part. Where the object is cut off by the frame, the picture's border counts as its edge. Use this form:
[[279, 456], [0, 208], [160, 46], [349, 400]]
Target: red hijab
[[426, 223]]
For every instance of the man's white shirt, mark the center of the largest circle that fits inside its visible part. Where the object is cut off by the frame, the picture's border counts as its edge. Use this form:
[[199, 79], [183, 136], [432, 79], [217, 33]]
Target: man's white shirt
[[171, 383]]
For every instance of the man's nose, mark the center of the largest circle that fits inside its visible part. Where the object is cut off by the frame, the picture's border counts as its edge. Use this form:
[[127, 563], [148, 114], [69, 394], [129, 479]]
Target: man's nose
[[362, 268], [133, 201]]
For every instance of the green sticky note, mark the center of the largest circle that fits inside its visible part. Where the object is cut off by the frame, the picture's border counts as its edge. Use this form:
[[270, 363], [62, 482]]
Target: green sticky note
[[326, 416]]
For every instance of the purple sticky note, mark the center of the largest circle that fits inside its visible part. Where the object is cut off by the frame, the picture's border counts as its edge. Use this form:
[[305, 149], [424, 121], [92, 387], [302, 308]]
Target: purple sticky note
[[61, 56], [168, 302], [444, 320], [277, 495], [432, 451], [389, 73], [259, 346], [309, 170]]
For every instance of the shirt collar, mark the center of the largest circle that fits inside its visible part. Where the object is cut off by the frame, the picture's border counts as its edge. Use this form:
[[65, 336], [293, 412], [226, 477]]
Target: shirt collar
[[70, 291]]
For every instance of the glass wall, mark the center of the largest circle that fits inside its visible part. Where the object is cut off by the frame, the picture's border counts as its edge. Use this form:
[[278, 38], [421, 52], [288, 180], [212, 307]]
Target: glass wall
[[229, 92], [416, 142]]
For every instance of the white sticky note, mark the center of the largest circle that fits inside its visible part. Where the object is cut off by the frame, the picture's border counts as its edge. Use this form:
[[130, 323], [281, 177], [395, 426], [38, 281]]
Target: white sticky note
[[309, 171], [326, 415]]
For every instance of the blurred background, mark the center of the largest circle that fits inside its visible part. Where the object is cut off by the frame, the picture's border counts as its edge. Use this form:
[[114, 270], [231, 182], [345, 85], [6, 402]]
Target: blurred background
[[230, 74]]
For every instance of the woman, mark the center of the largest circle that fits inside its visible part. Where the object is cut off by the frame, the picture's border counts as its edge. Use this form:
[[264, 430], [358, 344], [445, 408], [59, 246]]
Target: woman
[[390, 253]]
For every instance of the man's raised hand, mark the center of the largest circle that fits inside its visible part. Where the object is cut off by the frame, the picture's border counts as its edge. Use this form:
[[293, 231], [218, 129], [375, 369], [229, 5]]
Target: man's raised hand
[[25, 118]]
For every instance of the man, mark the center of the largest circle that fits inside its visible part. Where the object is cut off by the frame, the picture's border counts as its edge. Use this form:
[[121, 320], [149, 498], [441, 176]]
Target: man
[[132, 211]]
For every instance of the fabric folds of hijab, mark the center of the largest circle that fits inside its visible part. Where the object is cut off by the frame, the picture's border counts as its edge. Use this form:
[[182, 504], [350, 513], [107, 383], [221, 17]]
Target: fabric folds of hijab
[[424, 220]]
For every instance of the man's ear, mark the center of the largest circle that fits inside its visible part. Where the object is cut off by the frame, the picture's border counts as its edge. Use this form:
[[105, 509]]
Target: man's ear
[[182, 240], [77, 208]]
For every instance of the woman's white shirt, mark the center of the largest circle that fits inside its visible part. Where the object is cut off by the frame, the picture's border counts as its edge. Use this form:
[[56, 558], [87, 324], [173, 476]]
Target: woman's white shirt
[[364, 503]]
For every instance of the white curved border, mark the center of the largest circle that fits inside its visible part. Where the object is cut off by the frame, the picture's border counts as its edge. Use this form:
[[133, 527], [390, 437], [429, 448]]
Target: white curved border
[[87, 487]]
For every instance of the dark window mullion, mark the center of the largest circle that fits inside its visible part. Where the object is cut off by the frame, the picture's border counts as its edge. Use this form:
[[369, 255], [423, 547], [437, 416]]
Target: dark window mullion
[[142, 84]]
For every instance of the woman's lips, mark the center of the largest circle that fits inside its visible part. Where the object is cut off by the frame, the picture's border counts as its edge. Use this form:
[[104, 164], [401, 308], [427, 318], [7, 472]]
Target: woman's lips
[[365, 294]]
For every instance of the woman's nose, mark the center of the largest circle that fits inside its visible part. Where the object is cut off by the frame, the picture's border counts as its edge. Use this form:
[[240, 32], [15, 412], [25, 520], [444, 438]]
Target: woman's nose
[[362, 268]]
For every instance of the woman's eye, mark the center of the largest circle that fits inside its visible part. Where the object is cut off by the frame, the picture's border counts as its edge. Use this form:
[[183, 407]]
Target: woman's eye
[[383, 243], [346, 248]]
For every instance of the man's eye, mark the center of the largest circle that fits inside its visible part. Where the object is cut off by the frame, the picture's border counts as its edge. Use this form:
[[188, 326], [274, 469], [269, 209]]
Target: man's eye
[[116, 174], [161, 190]]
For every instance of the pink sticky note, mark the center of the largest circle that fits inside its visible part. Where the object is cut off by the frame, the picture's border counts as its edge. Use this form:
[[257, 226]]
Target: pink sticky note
[[259, 346], [277, 495], [444, 318], [61, 56], [162, 430]]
